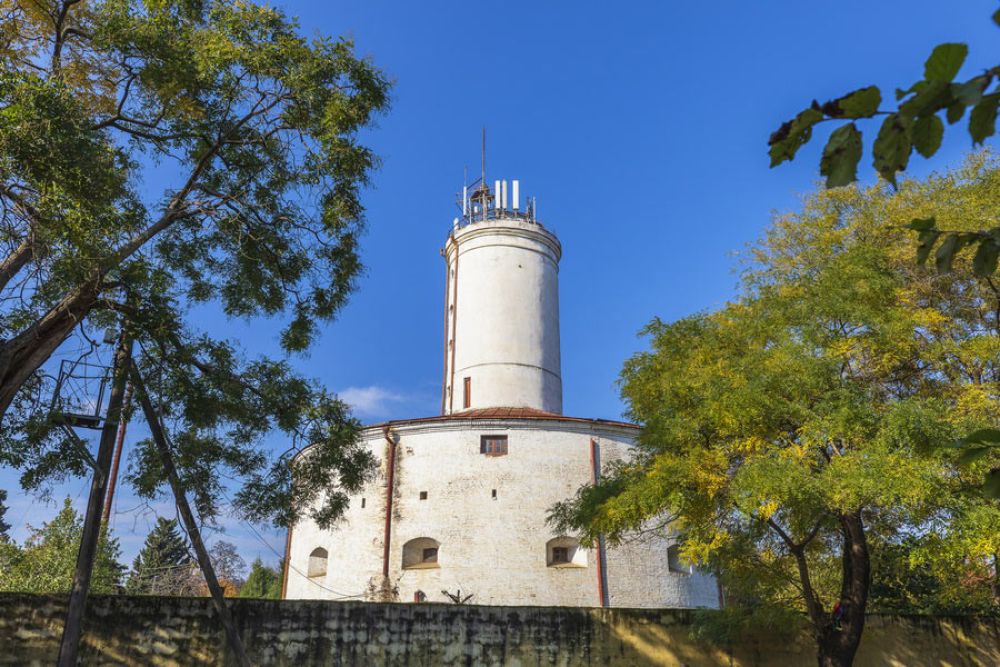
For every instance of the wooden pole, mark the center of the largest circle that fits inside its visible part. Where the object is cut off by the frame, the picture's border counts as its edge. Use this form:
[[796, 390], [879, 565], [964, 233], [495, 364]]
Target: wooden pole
[[73, 629], [116, 460], [187, 516]]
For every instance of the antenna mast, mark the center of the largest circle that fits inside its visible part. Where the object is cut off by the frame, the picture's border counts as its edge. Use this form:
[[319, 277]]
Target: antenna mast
[[482, 183]]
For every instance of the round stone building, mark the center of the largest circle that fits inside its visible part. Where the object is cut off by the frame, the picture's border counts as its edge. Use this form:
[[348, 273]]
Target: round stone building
[[458, 509]]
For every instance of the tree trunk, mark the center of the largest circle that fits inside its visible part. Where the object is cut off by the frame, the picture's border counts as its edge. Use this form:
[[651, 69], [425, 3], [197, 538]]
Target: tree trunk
[[187, 516], [25, 353], [15, 261], [73, 629], [838, 639]]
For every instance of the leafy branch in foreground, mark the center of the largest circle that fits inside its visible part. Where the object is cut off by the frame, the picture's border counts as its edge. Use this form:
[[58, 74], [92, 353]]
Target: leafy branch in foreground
[[915, 124]]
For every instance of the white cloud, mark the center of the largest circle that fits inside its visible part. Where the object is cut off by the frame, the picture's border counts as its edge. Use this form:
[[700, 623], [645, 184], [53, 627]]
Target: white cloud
[[372, 401]]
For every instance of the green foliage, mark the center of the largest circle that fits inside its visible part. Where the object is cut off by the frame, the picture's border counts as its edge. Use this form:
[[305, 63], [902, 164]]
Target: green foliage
[[255, 133], [4, 526], [915, 125], [162, 565], [828, 390], [46, 561], [262, 582]]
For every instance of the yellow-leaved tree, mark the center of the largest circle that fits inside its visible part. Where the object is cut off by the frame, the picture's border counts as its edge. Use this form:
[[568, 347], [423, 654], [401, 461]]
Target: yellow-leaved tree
[[794, 436]]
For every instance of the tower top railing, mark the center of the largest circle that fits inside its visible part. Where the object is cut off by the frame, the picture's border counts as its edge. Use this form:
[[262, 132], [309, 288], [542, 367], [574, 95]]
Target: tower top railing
[[478, 202]]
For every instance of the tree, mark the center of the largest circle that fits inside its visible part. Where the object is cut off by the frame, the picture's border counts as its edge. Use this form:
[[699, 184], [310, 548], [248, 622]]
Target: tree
[[229, 567], [914, 125], [4, 526], [262, 582], [254, 132], [162, 565], [44, 564], [792, 433]]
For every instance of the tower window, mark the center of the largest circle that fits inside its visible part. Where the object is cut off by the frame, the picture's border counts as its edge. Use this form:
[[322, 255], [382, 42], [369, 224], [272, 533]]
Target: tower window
[[317, 563], [565, 552], [675, 563], [423, 495], [421, 553], [493, 445], [467, 395], [362, 503]]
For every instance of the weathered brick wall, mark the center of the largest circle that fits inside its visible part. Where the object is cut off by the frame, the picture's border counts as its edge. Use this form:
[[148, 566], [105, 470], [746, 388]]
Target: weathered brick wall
[[183, 631]]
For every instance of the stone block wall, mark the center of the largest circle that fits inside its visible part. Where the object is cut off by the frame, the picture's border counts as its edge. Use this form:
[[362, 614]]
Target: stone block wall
[[168, 632]]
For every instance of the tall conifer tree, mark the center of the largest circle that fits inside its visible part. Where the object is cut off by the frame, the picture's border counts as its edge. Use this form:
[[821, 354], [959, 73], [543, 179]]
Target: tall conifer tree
[[161, 566]]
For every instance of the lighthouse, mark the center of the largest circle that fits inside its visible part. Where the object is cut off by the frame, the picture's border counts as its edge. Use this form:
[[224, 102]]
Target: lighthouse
[[458, 509]]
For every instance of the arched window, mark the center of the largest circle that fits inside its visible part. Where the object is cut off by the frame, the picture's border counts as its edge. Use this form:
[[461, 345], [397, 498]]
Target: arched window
[[565, 552], [317, 562], [675, 563], [421, 553]]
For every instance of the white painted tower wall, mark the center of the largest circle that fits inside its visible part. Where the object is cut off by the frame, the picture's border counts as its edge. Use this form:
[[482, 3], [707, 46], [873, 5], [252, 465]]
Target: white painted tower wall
[[502, 317]]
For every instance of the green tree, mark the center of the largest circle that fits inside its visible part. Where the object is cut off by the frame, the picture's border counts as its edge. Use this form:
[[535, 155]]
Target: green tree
[[792, 433], [262, 582], [4, 526], [914, 125], [162, 566], [157, 156], [45, 563]]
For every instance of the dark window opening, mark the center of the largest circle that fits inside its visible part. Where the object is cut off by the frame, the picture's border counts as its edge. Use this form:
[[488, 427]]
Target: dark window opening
[[493, 445], [560, 555], [675, 562], [423, 495], [429, 555], [494, 493], [467, 396], [362, 503]]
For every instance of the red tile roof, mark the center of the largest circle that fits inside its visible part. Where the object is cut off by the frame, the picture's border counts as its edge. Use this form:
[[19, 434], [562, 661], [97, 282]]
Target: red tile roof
[[506, 413]]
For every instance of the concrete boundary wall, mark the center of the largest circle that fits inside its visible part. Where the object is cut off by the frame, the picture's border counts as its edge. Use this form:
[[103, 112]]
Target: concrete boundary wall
[[124, 630]]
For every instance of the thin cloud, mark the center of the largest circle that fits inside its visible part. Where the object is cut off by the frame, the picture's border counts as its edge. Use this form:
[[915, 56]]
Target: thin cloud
[[371, 401]]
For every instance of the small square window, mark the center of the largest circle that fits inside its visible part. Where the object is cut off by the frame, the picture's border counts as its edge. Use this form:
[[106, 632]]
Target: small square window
[[423, 495], [493, 445], [560, 555], [429, 555]]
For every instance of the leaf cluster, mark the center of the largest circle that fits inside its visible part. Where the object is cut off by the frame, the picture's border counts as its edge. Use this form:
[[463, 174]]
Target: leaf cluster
[[914, 125], [46, 561]]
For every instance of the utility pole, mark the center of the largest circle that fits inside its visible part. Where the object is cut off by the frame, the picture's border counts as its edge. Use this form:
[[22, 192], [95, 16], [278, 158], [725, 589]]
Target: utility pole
[[187, 516], [73, 629]]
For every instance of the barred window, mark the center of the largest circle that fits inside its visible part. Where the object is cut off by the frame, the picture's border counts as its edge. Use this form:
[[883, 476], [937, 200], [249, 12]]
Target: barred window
[[493, 445]]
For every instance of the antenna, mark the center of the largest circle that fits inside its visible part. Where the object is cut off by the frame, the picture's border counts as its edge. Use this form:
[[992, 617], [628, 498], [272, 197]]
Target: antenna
[[483, 182], [465, 192]]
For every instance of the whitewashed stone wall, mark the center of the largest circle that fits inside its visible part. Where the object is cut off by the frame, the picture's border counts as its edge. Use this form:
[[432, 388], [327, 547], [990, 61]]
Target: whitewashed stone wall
[[491, 547], [502, 316]]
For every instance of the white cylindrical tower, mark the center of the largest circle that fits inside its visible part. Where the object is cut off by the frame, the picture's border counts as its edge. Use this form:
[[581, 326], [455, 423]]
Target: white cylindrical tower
[[501, 313]]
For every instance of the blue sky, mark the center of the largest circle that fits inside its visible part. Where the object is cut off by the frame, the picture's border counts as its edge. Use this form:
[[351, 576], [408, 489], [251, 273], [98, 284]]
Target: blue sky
[[640, 127]]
